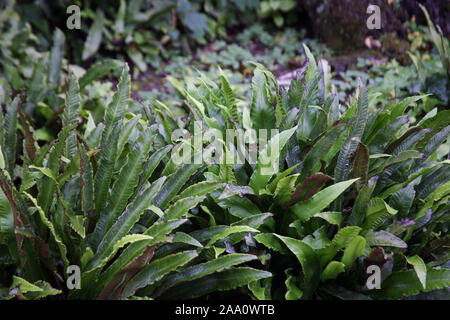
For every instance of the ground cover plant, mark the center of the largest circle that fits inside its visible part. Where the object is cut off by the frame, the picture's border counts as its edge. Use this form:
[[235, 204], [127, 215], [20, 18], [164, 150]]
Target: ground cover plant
[[79, 198], [357, 186], [338, 184]]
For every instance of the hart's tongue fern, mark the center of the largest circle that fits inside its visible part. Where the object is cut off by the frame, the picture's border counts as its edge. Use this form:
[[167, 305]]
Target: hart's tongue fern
[[348, 178], [97, 200], [333, 191]]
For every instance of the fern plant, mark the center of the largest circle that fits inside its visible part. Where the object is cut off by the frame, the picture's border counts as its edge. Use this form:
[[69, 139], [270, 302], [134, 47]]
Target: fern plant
[[105, 197], [358, 186]]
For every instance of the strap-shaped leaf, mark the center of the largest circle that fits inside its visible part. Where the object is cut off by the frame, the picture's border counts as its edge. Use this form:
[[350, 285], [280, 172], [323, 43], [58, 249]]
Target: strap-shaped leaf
[[331, 217], [268, 163], [411, 178], [333, 113], [116, 109], [254, 221], [383, 238], [319, 151], [87, 181], [358, 214], [200, 112], [202, 270], [295, 93], [114, 288], [435, 142], [6, 217], [220, 281], [105, 169], [157, 269], [70, 116], [353, 250], [384, 132], [239, 207], [438, 122], [345, 236], [134, 250], [124, 224], [381, 165], [309, 262], [56, 55], [62, 247], [356, 131], [181, 237], [332, 270], [308, 188], [47, 184], [420, 268], [124, 187], [402, 200], [30, 140], [438, 40], [273, 184], [313, 70], [124, 136], [361, 165], [407, 141], [229, 231], [174, 184], [98, 70], [10, 135], [377, 212], [152, 163], [94, 38], [229, 98], [199, 189], [109, 141], [182, 207], [125, 240], [32, 291], [271, 241], [285, 188], [306, 209], [433, 185], [261, 111], [280, 111], [293, 292], [398, 109]]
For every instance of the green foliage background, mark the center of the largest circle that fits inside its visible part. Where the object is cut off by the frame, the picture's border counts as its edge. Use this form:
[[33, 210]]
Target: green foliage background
[[89, 178]]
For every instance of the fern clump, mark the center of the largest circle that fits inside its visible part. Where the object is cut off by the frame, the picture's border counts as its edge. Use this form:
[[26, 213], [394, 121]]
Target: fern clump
[[107, 200], [357, 186], [331, 194]]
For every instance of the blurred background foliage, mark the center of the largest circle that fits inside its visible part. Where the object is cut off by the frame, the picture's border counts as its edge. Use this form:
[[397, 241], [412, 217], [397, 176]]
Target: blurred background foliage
[[179, 38]]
